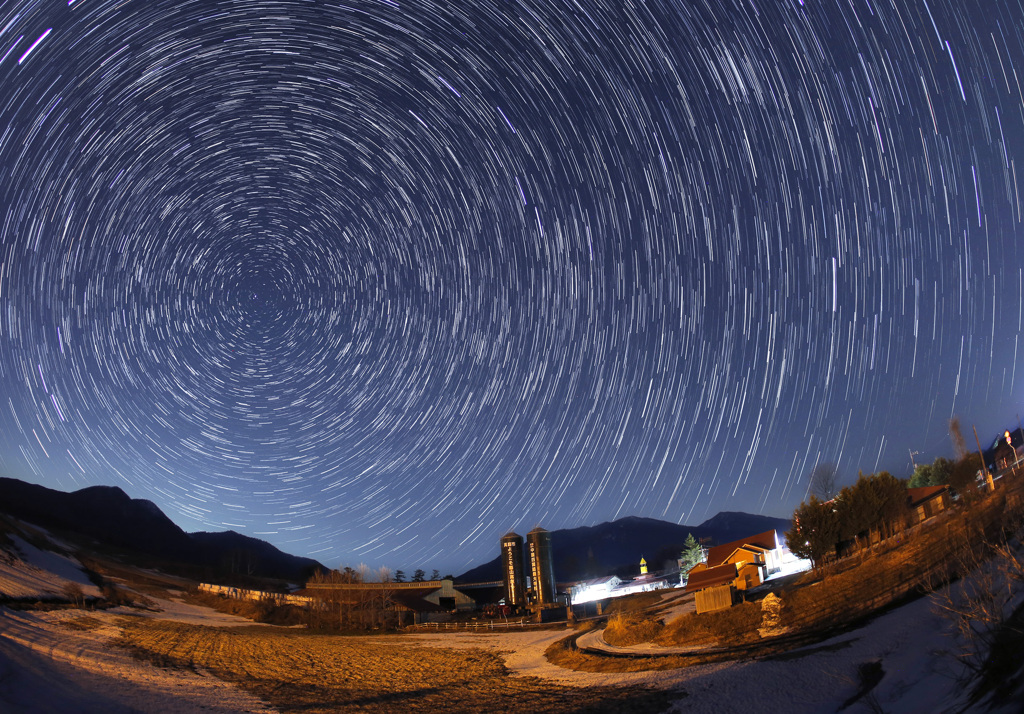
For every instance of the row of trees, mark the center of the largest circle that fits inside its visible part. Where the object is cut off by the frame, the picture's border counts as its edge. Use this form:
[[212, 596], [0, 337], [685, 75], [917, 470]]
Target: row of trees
[[420, 576], [370, 606], [876, 502], [341, 608], [959, 475]]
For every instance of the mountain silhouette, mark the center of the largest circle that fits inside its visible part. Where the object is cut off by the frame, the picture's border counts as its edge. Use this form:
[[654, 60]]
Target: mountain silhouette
[[617, 546], [110, 516]]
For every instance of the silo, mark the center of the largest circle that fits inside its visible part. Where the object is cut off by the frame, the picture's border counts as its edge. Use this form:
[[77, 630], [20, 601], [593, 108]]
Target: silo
[[542, 569], [512, 562]]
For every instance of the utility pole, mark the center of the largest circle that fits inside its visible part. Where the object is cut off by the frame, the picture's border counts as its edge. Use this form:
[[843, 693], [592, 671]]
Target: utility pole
[[1016, 460], [984, 468], [912, 458]]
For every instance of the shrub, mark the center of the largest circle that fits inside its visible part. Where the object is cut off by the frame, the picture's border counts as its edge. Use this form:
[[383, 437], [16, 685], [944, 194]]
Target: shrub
[[116, 596], [624, 630], [73, 593], [732, 626]]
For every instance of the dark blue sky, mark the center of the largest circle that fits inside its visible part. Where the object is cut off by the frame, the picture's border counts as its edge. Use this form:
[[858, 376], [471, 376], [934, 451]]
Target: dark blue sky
[[381, 281]]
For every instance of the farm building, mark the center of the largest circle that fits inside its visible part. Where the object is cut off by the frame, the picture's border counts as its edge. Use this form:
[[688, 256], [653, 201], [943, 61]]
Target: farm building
[[733, 567], [762, 548], [595, 589], [925, 502], [1009, 450], [714, 588], [415, 601]]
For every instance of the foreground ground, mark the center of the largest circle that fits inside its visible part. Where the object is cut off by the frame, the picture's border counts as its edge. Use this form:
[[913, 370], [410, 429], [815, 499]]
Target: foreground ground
[[932, 653], [187, 658]]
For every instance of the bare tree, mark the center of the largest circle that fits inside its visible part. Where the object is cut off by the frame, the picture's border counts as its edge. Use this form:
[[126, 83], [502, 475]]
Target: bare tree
[[825, 481], [74, 593], [384, 604], [364, 572], [956, 435], [361, 598], [981, 604]]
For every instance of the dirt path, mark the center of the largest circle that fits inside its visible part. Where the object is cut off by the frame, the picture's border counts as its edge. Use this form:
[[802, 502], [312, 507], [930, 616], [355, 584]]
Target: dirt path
[[594, 640]]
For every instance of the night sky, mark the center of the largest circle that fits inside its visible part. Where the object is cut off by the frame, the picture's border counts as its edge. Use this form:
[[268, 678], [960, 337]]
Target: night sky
[[380, 281]]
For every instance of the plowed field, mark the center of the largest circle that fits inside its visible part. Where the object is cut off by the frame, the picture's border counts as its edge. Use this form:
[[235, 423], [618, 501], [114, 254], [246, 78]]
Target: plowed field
[[296, 671]]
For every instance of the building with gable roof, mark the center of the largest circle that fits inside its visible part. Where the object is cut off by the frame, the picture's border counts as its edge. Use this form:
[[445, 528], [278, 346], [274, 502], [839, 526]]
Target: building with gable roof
[[926, 501], [733, 567]]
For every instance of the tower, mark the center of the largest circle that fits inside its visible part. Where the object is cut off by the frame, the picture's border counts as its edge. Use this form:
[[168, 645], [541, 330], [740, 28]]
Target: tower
[[542, 570], [643, 565], [512, 562]]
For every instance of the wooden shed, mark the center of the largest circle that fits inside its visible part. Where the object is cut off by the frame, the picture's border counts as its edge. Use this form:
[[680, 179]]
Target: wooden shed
[[715, 587]]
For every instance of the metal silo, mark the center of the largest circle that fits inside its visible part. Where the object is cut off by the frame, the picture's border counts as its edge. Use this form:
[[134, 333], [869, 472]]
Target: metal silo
[[542, 569], [512, 562]]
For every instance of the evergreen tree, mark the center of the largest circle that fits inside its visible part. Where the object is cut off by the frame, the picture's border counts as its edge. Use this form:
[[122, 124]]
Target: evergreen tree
[[876, 502], [418, 576], [399, 576], [941, 469], [890, 493], [692, 553], [815, 531], [856, 509], [933, 474]]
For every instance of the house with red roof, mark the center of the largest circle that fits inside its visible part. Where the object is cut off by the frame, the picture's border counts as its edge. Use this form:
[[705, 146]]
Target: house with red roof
[[733, 567], [925, 502]]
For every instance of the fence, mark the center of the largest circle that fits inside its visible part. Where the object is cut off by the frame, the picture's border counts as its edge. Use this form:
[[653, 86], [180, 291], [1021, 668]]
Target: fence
[[255, 595], [499, 625]]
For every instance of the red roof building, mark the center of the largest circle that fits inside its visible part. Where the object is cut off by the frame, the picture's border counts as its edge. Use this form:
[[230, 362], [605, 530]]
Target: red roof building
[[925, 502]]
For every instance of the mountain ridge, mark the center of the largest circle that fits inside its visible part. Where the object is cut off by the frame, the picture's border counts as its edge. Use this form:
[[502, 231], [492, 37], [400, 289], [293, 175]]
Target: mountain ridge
[[109, 515], [617, 546]]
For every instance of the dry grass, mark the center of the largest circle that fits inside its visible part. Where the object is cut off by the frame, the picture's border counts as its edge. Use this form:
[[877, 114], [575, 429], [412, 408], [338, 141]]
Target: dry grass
[[256, 610], [735, 626], [910, 565], [81, 624], [624, 630], [635, 618], [565, 653], [297, 671]]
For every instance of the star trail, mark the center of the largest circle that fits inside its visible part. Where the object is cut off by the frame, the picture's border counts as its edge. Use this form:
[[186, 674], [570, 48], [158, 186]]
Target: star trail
[[380, 281]]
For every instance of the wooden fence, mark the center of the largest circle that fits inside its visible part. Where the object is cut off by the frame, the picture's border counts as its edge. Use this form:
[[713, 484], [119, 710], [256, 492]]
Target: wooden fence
[[255, 595], [473, 626]]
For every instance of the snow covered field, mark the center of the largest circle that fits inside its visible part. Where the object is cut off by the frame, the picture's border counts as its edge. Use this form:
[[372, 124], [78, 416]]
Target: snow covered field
[[28, 572]]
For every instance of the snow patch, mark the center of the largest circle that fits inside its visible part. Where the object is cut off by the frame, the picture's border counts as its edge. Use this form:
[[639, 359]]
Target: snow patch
[[29, 572]]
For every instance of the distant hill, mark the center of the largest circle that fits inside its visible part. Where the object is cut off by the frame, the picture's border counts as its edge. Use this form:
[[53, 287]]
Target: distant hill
[[237, 553], [107, 514], [616, 547]]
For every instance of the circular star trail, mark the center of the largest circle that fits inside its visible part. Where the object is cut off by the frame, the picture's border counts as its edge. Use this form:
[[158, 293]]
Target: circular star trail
[[379, 281]]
